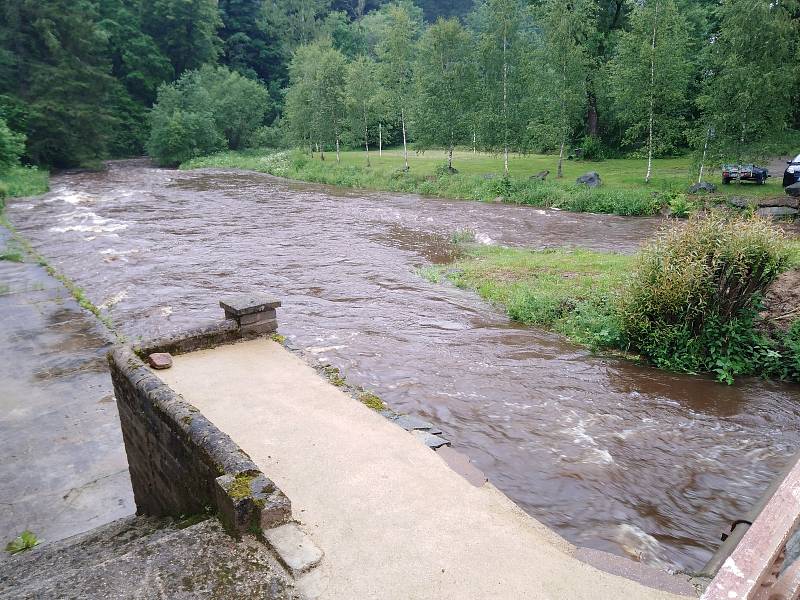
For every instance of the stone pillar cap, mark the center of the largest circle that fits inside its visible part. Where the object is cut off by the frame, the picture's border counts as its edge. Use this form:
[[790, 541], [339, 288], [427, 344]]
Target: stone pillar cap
[[247, 305]]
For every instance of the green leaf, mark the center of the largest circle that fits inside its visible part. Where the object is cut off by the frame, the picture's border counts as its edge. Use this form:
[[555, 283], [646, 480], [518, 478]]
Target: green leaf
[[25, 541]]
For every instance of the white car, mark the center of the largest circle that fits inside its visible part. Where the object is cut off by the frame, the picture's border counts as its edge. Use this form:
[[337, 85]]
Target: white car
[[792, 173]]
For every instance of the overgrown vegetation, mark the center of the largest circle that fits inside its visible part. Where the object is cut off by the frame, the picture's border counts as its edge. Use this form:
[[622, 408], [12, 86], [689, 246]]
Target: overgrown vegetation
[[203, 112], [688, 302], [694, 300], [635, 79], [620, 194]]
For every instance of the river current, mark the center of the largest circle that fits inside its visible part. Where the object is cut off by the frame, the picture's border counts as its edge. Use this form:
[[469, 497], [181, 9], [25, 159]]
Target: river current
[[610, 454]]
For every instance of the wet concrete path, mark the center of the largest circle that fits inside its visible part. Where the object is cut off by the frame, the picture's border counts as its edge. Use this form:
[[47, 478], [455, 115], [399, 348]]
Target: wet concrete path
[[64, 469]]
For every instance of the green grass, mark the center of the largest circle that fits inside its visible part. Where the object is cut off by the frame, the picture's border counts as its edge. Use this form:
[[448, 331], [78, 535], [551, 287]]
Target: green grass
[[572, 292], [479, 178], [23, 181]]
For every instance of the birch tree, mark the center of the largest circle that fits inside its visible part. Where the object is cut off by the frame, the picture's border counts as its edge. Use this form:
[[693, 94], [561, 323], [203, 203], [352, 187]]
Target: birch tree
[[364, 98], [650, 75], [445, 87], [315, 100], [330, 96], [753, 81], [502, 53], [561, 74], [396, 59]]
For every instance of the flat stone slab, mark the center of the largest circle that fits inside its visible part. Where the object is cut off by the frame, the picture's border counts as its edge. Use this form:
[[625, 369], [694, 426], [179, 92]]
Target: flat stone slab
[[160, 360], [294, 548], [429, 439], [410, 423], [461, 465], [247, 305]]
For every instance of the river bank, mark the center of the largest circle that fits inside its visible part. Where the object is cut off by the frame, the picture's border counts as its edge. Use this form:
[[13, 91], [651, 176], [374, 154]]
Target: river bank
[[612, 455], [479, 178], [21, 181], [577, 293]]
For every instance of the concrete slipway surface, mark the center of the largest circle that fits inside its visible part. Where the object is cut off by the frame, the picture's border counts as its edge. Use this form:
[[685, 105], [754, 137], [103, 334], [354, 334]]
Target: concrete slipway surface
[[393, 520]]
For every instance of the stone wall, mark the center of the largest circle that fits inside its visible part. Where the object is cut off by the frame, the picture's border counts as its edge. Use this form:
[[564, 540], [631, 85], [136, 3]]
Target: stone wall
[[180, 463]]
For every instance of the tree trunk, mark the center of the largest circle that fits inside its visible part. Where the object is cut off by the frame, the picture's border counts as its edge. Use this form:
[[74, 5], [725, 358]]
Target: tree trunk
[[321, 150], [474, 143], [450, 158], [366, 137], [652, 97], [592, 119], [380, 139], [337, 148], [703, 160], [560, 174], [405, 147], [505, 106]]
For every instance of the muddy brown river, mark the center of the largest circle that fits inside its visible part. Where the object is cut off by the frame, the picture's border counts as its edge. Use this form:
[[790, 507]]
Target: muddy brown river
[[610, 454]]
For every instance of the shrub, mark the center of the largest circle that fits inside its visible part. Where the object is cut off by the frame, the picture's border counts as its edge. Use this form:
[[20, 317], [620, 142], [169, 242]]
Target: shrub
[[178, 136], [12, 145], [693, 301], [592, 148], [206, 111]]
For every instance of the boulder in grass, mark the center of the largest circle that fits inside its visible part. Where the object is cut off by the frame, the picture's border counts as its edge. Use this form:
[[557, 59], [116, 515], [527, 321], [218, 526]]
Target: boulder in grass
[[591, 179], [703, 186], [794, 190]]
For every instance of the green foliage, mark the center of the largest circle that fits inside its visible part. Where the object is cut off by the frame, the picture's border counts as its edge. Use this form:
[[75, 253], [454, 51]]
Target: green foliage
[[23, 181], [25, 541], [679, 205], [365, 101], [185, 31], [751, 86], [315, 101], [446, 80], [692, 304], [12, 145], [56, 72], [650, 76], [561, 71], [203, 112], [592, 147]]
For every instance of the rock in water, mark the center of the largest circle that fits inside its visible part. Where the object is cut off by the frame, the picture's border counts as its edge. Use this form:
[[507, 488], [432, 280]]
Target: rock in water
[[160, 360], [703, 186], [592, 179]]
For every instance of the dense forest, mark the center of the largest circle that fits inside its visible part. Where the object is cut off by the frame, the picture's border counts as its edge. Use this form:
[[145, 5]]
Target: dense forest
[[79, 80]]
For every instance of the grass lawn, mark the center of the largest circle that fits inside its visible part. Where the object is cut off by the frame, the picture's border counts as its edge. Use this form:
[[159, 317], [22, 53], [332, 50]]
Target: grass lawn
[[669, 174], [570, 291], [23, 181]]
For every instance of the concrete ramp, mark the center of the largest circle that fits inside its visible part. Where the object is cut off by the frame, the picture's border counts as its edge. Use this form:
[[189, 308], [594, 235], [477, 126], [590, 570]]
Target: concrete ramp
[[393, 520]]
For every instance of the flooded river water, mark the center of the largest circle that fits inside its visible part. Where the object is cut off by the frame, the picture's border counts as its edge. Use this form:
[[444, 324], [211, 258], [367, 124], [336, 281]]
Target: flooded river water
[[611, 455]]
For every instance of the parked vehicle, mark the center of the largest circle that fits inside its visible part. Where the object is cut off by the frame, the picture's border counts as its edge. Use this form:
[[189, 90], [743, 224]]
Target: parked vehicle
[[744, 173], [792, 173]]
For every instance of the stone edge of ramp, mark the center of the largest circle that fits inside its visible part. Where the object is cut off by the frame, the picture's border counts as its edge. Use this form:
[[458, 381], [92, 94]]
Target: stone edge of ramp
[[181, 464]]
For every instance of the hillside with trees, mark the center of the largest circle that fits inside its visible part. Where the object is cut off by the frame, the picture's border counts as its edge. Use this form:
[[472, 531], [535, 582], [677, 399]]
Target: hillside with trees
[[92, 79]]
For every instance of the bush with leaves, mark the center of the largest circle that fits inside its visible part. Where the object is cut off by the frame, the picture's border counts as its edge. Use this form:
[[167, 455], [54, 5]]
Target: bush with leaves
[[206, 111], [12, 145], [693, 301]]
